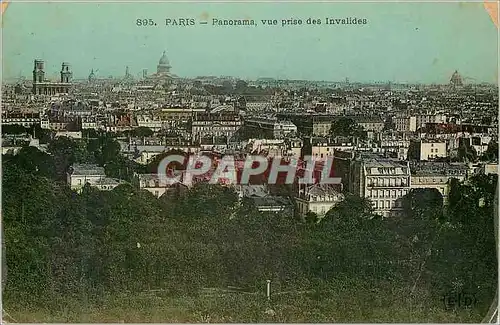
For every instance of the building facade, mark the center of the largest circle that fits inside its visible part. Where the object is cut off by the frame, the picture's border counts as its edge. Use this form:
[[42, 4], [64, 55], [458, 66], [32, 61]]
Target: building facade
[[42, 86]]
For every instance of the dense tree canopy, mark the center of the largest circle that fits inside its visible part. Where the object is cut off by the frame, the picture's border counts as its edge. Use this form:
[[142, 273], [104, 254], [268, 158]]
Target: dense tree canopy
[[347, 127], [64, 246]]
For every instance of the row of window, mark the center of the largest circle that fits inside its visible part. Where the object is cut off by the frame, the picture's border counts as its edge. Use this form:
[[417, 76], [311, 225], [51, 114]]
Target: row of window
[[323, 155], [386, 193], [435, 150], [316, 209], [387, 204], [386, 182], [198, 129]]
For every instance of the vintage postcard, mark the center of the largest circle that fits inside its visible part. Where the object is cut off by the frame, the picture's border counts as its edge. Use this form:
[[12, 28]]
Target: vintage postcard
[[249, 162]]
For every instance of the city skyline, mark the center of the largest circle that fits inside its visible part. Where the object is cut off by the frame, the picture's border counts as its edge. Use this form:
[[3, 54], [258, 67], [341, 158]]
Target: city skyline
[[54, 76], [395, 46]]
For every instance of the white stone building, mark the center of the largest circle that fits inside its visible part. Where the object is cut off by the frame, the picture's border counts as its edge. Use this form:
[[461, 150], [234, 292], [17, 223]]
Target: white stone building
[[317, 198], [81, 174]]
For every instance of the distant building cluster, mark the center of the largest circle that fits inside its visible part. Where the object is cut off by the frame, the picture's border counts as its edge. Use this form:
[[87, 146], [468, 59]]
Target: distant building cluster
[[396, 137]]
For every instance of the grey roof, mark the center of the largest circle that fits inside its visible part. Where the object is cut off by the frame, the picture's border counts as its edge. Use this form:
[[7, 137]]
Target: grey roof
[[254, 190], [109, 181], [322, 190], [87, 169], [270, 201]]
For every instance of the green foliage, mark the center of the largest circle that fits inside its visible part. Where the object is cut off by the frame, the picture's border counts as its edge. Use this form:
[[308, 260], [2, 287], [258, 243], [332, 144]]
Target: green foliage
[[312, 217], [31, 160], [13, 129], [94, 247], [152, 167], [422, 203], [491, 153], [352, 210], [466, 153], [141, 131], [347, 127], [66, 151]]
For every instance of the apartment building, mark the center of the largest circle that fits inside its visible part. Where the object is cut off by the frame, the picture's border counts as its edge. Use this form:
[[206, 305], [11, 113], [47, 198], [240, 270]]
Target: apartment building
[[158, 186], [405, 123], [370, 124], [384, 181], [437, 175], [271, 126], [149, 121], [427, 149], [317, 198], [210, 125], [22, 119]]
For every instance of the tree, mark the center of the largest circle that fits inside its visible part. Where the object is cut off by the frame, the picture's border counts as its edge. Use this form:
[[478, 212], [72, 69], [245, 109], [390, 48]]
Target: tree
[[31, 160], [152, 166], [347, 127], [423, 203], [66, 152], [466, 153], [210, 201], [312, 217], [13, 129], [44, 135], [491, 153], [353, 209], [142, 131], [389, 124]]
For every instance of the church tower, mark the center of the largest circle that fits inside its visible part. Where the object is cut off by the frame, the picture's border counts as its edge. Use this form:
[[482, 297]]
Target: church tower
[[38, 76], [92, 76], [66, 73], [38, 72]]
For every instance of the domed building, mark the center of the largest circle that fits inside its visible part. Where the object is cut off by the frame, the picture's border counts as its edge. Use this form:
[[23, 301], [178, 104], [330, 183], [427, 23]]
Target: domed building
[[456, 79], [163, 66], [163, 73]]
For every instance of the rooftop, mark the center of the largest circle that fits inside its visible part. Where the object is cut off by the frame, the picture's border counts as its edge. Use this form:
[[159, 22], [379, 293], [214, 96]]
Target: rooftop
[[87, 169]]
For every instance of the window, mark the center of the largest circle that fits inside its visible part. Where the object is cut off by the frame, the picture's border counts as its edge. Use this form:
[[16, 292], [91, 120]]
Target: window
[[157, 194]]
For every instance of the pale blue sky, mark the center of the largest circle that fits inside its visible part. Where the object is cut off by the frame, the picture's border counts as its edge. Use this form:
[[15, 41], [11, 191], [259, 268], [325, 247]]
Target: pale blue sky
[[402, 42]]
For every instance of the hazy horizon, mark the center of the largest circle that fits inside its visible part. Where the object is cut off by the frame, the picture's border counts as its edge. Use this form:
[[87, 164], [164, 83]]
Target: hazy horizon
[[407, 43]]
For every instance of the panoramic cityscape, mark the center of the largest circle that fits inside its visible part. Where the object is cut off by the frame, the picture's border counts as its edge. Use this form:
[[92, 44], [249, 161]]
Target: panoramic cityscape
[[321, 171], [402, 154]]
